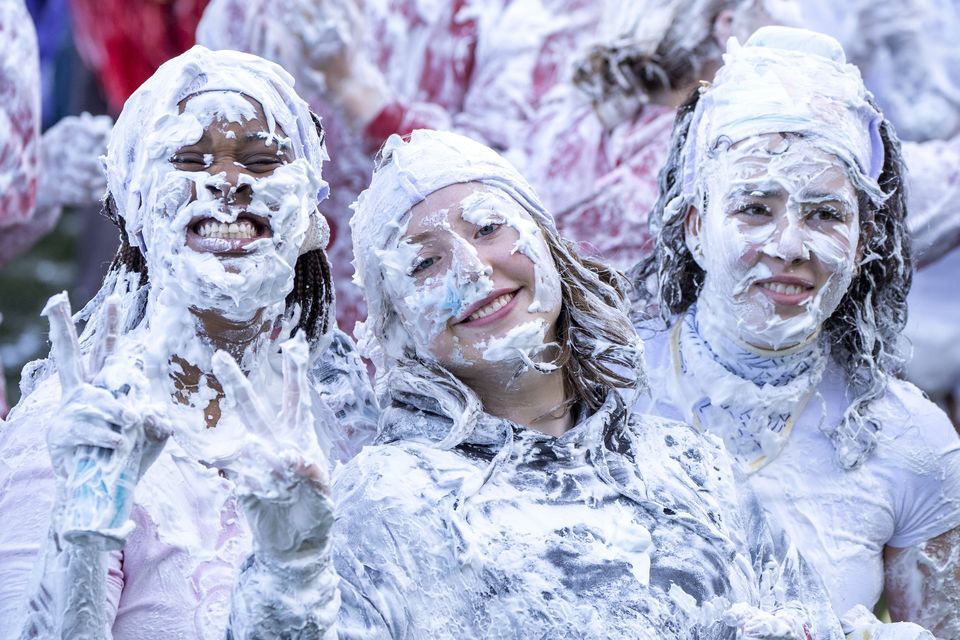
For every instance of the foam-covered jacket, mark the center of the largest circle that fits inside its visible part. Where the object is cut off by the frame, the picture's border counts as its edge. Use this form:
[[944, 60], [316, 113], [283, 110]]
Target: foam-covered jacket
[[174, 576], [625, 526]]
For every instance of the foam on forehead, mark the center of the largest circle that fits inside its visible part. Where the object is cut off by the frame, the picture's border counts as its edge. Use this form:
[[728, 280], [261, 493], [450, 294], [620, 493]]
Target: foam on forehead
[[786, 80], [147, 129], [411, 170]]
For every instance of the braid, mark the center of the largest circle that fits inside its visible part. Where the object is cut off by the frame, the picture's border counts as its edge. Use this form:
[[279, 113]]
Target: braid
[[313, 291], [313, 283], [127, 256]]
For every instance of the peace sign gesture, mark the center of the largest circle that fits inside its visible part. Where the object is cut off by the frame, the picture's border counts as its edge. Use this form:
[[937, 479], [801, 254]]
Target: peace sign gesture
[[102, 439], [280, 470]]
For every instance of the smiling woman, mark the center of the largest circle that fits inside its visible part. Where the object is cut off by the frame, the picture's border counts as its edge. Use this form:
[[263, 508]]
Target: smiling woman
[[781, 269], [214, 175]]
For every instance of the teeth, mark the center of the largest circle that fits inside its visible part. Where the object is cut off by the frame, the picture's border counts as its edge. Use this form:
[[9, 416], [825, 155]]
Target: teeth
[[780, 287], [241, 230], [493, 307]]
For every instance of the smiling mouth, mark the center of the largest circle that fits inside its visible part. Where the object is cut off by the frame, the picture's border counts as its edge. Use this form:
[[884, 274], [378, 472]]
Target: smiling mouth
[[490, 310], [212, 236], [788, 293]]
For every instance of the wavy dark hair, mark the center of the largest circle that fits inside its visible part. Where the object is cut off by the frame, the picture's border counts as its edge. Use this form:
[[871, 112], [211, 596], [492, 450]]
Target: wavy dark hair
[[863, 333]]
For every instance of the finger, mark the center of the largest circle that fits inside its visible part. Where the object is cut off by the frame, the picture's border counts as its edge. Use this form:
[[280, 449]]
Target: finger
[[295, 411], [109, 333], [235, 385], [156, 428], [100, 404], [64, 342]]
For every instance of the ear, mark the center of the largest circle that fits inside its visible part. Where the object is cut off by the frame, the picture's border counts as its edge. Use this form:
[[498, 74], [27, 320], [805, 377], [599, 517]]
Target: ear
[[723, 27], [692, 228]]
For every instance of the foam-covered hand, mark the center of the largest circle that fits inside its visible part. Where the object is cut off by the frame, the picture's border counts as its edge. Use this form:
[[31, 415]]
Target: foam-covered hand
[[70, 172], [860, 624], [280, 471], [105, 434], [755, 624], [325, 29]]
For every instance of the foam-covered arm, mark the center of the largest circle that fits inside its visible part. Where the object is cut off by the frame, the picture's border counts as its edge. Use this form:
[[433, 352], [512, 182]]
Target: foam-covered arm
[[100, 443], [70, 598], [923, 584], [288, 588], [933, 193], [70, 171], [295, 597]]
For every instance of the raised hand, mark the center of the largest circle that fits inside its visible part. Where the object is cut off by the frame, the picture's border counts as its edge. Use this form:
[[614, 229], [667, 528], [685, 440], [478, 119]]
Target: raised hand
[[325, 30], [103, 438], [280, 470], [755, 624], [70, 152], [861, 624]]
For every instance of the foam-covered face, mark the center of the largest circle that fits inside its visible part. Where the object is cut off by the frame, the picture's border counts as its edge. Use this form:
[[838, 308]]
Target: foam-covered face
[[779, 240], [225, 224], [473, 280]]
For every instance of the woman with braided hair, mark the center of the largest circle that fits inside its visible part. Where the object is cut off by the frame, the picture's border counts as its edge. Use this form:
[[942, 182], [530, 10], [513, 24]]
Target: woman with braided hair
[[214, 180], [781, 268]]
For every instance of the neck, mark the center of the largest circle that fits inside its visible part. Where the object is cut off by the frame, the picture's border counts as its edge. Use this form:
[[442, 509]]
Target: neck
[[755, 363], [232, 336], [535, 400]]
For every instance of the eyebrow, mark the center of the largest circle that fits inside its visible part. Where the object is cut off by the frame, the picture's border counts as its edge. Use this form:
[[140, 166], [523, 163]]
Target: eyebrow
[[821, 196], [418, 238], [755, 190]]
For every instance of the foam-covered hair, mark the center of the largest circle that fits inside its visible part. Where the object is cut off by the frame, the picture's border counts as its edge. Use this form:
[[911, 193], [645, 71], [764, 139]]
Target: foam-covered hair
[[863, 332], [408, 171], [599, 348], [135, 142]]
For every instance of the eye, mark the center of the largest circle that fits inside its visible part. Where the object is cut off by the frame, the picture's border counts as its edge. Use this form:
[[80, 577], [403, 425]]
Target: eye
[[262, 163], [188, 161], [488, 229], [753, 209], [423, 264], [828, 214]]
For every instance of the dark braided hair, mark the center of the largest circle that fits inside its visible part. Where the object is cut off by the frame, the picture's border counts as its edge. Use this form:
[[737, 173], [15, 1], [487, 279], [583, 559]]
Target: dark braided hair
[[863, 333]]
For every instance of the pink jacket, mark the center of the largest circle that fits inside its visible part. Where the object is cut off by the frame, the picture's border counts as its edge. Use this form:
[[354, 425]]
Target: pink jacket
[[19, 116]]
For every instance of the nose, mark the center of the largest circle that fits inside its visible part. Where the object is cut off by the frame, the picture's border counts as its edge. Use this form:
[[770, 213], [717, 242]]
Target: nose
[[224, 182], [789, 243], [470, 265]]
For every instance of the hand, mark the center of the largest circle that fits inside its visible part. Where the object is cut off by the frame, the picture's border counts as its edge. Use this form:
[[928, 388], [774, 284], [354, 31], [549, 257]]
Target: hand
[[861, 624], [70, 151], [755, 624], [280, 470], [326, 30], [99, 443]]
